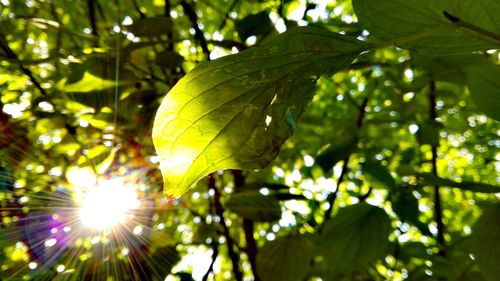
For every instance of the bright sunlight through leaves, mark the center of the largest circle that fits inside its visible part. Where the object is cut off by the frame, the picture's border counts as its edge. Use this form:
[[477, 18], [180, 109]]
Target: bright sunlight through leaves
[[108, 204]]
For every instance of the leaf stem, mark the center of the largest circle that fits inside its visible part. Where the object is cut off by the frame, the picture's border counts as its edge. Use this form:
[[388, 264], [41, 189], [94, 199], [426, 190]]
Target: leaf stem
[[467, 25]]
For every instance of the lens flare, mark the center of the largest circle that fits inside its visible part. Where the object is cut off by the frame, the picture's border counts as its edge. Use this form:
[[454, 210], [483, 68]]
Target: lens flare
[[108, 204]]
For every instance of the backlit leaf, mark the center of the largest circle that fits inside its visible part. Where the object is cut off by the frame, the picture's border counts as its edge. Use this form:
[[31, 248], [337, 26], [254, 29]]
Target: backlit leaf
[[235, 112]]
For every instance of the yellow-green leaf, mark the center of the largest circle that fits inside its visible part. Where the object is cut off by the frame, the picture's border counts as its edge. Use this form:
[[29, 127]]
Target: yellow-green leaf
[[236, 112]]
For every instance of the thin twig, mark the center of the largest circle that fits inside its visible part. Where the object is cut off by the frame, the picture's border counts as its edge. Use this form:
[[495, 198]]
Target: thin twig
[[219, 211], [10, 53], [333, 195], [226, 15]]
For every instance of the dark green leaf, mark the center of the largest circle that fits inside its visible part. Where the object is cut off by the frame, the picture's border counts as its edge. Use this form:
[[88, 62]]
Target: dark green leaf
[[236, 112], [163, 260], [484, 86], [355, 237], [6, 180], [405, 205], [430, 179], [285, 259], [428, 133], [203, 232], [422, 25], [413, 250], [169, 59], [256, 24], [378, 175], [254, 206], [335, 153], [484, 242], [151, 27]]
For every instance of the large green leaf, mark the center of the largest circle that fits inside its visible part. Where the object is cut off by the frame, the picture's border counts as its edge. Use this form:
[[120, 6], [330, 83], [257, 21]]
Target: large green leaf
[[236, 112], [354, 238], [254, 206], [433, 27], [484, 242], [286, 259]]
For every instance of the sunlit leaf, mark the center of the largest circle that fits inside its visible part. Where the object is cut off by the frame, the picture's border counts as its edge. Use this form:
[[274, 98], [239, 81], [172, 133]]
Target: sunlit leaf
[[88, 83], [235, 112]]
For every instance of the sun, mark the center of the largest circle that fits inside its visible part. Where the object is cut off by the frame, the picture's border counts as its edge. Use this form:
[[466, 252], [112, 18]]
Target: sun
[[108, 204]]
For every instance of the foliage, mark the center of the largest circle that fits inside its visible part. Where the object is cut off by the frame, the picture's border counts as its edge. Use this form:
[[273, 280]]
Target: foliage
[[374, 126]]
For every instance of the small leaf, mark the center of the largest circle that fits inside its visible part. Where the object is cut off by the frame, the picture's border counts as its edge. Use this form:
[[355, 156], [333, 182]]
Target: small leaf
[[378, 175], [151, 27], [405, 205], [430, 179], [6, 180], [169, 59], [329, 157], [484, 242], [203, 232], [423, 25], [254, 206], [484, 86], [256, 24], [163, 260], [355, 237], [413, 250], [428, 133], [231, 113], [285, 259]]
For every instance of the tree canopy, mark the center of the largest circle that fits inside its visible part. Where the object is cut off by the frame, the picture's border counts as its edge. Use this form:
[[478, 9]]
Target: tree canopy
[[257, 140]]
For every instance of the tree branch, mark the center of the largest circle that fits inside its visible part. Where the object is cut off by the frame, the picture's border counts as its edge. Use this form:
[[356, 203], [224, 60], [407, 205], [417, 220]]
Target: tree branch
[[219, 211], [198, 33], [92, 19], [438, 213], [333, 195], [248, 229]]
